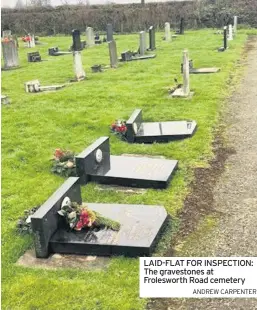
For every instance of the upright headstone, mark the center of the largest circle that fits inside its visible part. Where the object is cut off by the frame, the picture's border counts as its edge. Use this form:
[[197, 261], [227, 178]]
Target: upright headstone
[[7, 33], [235, 24], [230, 33], [152, 38], [167, 32], [31, 41], [10, 54], [186, 86], [77, 61], [113, 54], [142, 43], [225, 38], [109, 33], [182, 26], [90, 36]]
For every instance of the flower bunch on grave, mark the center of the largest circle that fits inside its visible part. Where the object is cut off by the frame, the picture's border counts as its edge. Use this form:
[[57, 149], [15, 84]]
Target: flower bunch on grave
[[26, 38], [64, 163], [119, 128], [80, 216], [24, 223]]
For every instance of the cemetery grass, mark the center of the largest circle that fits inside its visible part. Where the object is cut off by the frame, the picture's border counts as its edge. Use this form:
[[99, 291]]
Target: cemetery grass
[[72, 118]]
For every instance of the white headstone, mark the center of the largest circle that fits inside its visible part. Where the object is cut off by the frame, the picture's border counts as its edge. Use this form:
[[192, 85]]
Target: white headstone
[[142, 43], [230, 33], [31, 42], [78, 67], [7, 33], [235, 24], [90, 36], [167, 32]]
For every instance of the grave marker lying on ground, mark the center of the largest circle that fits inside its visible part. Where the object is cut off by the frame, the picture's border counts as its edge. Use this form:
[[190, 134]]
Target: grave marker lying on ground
[[193, 70], [134, 238], [150, 132], [10, 53], [54, 51], [97, 165], [5, 99], [184, 91], [35, 87], [34, 57]]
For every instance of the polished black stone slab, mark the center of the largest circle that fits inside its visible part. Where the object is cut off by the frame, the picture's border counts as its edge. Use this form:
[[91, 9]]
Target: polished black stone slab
[[76, 41], [141, 226], [33, 57], [134, 171], [150, 132]]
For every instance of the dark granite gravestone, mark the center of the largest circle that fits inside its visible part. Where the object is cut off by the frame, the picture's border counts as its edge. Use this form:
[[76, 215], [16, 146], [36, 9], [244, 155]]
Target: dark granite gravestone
[[225, 41], [129, 56], [141, 226], [76, 45], [54, 51], [151, 39], [140, 132], [34, 57], [182, 26], [193, 70], [109, 32], [97, 165]]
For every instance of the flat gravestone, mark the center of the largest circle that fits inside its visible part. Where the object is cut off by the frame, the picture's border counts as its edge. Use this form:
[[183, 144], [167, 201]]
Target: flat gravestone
[[129, 56], [96, 164], [141, 226], [140, 132], [204, 70], [34, 57], [54, 51]]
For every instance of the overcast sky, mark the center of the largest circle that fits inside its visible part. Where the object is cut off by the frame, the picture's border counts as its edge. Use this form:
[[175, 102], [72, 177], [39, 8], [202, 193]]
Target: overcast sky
[[11, 3]]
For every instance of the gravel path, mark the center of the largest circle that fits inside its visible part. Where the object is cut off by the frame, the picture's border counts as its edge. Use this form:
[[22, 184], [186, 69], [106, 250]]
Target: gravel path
[[235, 193]]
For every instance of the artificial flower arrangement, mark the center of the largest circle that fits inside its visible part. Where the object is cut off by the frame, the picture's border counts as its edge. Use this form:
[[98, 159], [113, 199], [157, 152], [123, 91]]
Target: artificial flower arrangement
[[119, 128], [64, 163], [80, 216]]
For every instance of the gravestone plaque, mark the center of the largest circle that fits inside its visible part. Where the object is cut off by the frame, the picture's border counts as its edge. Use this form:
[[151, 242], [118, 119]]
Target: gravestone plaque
[[113, 54], [141, 132], [96, 164], [167, 32], [141, 226], [34, 57], [10, 54], [152, 38], [109, 33], [90, 37]]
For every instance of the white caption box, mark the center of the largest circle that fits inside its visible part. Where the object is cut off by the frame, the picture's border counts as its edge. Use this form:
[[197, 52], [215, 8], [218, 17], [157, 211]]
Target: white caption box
[[199, 277]]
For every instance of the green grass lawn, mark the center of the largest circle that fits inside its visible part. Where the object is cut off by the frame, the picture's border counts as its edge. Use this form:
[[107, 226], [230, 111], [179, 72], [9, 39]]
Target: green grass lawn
[[72, 118]]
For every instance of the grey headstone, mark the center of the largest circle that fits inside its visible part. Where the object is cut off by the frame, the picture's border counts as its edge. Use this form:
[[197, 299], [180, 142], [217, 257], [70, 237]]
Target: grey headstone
[[113, 54], [90, 36], [78, 66], [142, 43], [109, 32], [167, 32], [10, 54], [7, 33]]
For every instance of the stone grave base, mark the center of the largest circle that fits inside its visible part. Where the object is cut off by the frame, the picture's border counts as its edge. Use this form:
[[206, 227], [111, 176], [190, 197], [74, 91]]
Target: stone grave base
[[58, 261], [139, 57], [178, 93], [204, 70]]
